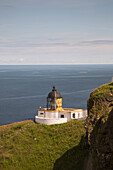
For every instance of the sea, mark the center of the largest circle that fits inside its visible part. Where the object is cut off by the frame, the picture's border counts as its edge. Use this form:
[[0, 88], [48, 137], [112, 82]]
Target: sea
[[24, 89]]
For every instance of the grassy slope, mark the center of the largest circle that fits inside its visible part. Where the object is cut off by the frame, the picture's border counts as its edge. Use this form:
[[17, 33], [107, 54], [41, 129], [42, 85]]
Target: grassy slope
[[26, 145], [99, 102], [101, 91]]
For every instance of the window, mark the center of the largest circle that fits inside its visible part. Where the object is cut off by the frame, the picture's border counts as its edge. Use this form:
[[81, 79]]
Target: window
[[62, 116], [73, 115], [41, 113]]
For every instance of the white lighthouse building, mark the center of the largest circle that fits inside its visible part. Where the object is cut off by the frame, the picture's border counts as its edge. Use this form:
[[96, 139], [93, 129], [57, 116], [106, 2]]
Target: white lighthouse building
[[54, 113]]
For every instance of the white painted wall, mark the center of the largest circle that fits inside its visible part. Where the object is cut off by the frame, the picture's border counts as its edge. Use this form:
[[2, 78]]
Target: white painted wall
[[55, 117], [77, 115], [50, 121], [47, 114], [66, 115], [39, 113]]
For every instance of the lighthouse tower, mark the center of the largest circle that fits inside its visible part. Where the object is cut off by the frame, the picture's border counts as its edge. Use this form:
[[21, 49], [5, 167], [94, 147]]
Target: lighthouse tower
[[54, 100]]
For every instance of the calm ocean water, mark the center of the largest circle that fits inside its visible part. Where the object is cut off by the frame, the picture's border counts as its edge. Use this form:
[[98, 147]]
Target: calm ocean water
[[23, 89]]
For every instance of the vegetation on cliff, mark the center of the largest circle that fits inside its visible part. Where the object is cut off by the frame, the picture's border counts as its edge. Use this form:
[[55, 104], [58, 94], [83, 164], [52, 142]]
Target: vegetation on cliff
[[99, 128], [27, 145]]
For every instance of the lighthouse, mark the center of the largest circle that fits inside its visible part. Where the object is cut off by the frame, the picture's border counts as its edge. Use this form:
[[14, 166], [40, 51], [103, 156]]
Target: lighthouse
[[54, 113], [54, 100]]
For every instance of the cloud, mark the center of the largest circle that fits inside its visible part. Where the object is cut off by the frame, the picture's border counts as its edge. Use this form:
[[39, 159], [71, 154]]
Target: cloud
[[38, 43], [7, 6], [56, 54], [53, 3], [68, 3], [97, 42], [33, 42]]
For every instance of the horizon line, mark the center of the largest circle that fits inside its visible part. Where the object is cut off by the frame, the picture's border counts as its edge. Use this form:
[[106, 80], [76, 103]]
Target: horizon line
[[55, 64]]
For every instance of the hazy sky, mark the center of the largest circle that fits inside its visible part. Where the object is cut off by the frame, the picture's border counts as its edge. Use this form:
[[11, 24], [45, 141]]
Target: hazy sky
[[56, 31]]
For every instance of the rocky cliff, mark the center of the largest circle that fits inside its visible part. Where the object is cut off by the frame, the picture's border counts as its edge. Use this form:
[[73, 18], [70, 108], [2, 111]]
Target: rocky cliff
[[99, 129]]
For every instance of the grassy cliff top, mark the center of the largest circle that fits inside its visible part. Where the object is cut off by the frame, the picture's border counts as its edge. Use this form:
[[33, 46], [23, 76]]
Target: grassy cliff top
[[100, 101], [27, 145], [103, 90]]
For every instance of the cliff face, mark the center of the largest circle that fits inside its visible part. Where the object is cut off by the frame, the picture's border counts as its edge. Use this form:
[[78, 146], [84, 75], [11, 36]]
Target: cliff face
[[99, 128]]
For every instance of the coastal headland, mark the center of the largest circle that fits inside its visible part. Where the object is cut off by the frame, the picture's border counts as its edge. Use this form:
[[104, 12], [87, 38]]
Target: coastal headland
[[78, 144]]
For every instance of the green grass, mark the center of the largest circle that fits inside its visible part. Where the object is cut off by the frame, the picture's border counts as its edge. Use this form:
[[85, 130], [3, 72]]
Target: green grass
[[103, 90], [27, 145]]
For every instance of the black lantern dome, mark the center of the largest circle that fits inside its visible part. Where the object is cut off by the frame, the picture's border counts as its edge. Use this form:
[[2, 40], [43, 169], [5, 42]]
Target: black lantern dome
[[54, 94]]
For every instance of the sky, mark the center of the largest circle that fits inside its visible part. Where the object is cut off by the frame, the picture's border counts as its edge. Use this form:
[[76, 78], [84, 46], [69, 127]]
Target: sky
[[56, 32]]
